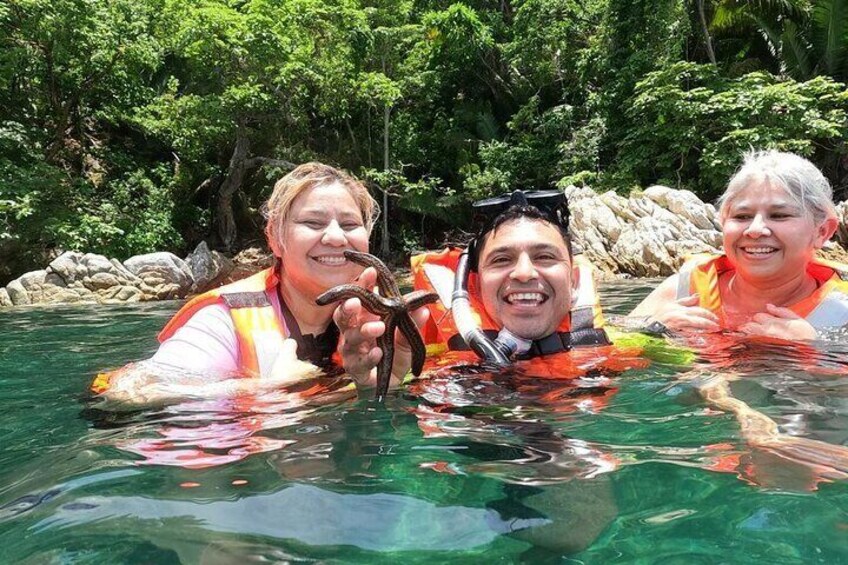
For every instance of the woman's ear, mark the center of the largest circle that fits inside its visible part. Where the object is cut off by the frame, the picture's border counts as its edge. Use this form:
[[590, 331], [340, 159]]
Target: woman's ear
[[825, 231], [575, 282]]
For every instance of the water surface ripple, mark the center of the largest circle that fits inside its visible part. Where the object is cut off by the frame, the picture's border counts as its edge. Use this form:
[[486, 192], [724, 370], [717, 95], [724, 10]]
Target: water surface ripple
[[608, 459]]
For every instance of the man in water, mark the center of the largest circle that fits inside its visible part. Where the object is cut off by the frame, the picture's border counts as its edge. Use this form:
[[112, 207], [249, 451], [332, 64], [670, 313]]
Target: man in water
[[523, 283], [524, 289]]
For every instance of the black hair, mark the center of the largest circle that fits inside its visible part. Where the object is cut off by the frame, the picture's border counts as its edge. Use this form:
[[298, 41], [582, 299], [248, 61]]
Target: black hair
[[513, 213]]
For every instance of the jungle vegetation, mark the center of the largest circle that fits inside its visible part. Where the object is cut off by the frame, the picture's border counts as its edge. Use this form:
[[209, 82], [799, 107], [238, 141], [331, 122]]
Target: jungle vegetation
[[129, 126]]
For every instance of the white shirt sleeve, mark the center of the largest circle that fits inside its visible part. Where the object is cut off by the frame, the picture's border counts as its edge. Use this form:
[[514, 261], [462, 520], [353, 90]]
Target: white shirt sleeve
[[206, 343]]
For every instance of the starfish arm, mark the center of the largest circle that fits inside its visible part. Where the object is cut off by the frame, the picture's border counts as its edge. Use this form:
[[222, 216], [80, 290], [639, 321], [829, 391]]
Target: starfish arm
[[385, 280], [416, 344], [373, 303], [419, 298], [384, 367]]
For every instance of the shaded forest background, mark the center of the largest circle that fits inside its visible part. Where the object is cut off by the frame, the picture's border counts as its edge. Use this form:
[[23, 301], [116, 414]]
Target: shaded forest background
[[129, 126]]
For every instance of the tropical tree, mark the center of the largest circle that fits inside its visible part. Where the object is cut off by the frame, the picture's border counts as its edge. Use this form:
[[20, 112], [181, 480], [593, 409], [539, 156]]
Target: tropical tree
[[248, 82]]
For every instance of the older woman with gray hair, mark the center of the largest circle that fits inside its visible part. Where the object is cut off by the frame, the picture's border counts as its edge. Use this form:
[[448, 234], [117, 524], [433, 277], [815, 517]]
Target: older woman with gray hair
[[776, 213]]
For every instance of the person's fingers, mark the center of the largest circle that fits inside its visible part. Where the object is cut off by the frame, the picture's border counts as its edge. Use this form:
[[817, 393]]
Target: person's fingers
[[346, 316], [367, 279], [703, 313], [762, 318], [691, 318], [374, 356], [420, 317], [372, 330], [780, 312], [355, 337], [691, 300], [699, 324], [751, 328]]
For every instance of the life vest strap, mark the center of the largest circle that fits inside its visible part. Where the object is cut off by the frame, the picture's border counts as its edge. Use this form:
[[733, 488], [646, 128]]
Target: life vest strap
[[557, 342], [245, 299]]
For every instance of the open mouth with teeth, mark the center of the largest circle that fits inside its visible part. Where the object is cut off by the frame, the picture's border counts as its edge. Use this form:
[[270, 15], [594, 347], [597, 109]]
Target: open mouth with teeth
[[525, 298], [759, 250], [330, 260]]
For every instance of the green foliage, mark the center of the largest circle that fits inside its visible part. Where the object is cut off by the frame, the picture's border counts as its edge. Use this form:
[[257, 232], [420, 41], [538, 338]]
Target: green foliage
[[119, 119], [692, 125]]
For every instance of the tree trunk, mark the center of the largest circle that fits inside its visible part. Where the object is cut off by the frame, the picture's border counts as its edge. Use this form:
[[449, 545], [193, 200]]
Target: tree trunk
[[384, 244], [232, 183], [707, 39], [226, 222]]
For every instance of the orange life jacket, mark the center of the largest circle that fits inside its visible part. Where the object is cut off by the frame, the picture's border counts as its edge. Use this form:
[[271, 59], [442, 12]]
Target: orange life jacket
[[435, 272], [826, 307], [259, 330]]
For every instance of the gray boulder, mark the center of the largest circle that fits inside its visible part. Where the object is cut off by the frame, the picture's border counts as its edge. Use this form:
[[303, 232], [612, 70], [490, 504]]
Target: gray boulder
[[40, 287], [165, 276], [648, 234], [207, 267], [641, 250]]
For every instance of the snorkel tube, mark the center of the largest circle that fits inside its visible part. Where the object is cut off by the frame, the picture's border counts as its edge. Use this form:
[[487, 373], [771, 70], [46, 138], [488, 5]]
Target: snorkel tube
[[463, 317]]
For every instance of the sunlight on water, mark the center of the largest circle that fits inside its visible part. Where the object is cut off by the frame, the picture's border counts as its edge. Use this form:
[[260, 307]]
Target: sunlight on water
[[603, 456]]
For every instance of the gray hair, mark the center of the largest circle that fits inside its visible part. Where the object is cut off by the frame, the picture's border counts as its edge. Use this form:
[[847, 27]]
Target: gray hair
[[801, 180]]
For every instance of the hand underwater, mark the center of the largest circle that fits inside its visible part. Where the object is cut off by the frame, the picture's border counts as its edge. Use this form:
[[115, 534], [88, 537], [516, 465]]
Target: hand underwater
[[781, 323]]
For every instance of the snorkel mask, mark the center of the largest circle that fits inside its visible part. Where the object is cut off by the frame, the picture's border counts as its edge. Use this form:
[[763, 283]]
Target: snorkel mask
[[553, 207]]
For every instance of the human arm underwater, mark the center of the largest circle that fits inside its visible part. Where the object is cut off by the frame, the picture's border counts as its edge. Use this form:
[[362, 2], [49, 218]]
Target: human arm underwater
[[151, 383], [826, 461], [821, 460]]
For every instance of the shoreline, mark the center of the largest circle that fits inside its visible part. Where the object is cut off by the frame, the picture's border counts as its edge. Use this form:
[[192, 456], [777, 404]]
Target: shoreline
[[647, 234]]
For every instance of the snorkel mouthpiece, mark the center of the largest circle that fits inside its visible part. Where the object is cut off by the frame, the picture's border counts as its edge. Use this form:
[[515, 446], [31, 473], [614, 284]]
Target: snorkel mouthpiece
[[510, 344]]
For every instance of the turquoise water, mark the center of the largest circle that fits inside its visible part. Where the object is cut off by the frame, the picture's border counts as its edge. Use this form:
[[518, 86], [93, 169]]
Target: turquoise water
[[468, 467]]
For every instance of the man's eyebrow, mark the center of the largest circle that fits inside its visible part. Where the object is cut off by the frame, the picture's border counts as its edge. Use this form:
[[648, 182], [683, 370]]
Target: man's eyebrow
[[534, 247]]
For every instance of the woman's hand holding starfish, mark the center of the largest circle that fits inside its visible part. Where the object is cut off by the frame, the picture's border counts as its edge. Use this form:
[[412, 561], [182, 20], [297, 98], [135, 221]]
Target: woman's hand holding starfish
[[360, 330]]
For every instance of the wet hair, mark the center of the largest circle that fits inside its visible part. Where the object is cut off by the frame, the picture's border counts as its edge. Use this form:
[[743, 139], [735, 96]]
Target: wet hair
[[801, 180], [511, 214], [298, 181]]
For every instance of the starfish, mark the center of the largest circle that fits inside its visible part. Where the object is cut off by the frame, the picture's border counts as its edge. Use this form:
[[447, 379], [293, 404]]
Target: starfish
[[392, 308]]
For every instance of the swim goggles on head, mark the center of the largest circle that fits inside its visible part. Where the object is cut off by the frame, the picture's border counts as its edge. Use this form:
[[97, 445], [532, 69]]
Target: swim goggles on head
[[551, 203]]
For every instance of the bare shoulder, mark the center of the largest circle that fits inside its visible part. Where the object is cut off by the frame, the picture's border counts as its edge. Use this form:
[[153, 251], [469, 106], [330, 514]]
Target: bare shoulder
[[662, 294]]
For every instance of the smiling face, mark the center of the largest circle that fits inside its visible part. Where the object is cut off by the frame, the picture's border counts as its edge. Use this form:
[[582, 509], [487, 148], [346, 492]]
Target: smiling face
[[525, 277], [768, 236], [324, 220]]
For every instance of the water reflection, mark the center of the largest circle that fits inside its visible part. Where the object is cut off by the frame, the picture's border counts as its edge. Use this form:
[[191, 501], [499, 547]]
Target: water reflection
[[607, 448]]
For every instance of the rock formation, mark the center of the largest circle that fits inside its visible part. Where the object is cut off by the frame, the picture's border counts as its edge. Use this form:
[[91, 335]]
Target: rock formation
[[648, 234], [89, 278]]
